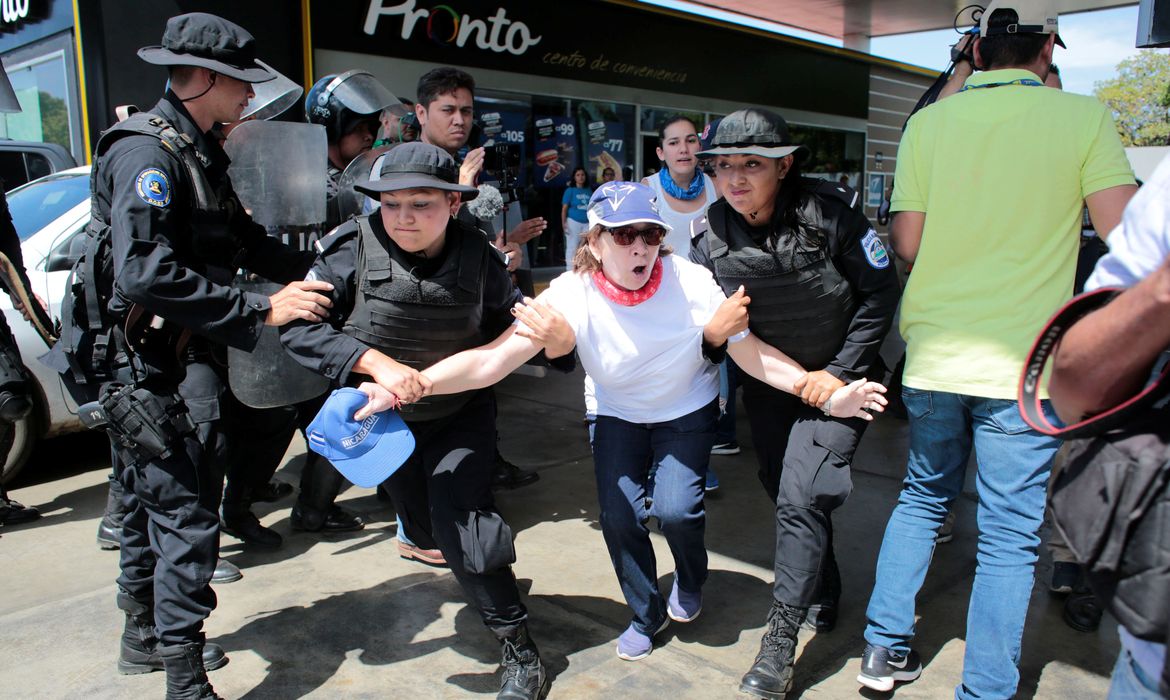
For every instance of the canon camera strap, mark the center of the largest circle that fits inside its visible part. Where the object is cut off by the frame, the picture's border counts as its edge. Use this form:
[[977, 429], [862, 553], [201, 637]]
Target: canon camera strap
[[1029, 395]]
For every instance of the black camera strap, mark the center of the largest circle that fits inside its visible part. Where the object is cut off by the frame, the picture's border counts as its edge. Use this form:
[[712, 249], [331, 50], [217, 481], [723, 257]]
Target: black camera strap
[[1029, 395]]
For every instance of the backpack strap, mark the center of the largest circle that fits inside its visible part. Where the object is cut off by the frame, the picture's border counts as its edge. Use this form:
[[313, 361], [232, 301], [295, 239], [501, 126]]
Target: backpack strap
[[1029, 394]]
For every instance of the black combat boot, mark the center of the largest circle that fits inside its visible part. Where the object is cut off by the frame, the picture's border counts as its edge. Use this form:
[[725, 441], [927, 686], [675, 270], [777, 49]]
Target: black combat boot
[[109, 533], [506, 475], [186, 677], [524, 677], [226, 572], [315, 510], [139, 653], [238, 520], [771, 674]]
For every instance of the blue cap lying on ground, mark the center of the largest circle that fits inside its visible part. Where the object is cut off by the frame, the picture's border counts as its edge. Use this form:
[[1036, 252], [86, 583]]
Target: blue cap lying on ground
[[365, 452]]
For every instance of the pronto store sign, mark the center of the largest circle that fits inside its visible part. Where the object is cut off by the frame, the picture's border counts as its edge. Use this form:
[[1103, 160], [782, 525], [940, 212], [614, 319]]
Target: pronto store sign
[[12, 11], [443, 25], [598, 42]]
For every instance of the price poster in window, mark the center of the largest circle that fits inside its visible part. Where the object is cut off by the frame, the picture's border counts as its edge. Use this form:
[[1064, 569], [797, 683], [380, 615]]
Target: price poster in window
[[556, 151], [507, 127], [605, 147]]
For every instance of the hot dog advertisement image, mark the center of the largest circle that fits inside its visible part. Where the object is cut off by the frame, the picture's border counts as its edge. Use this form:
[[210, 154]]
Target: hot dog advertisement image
[[556, 151]]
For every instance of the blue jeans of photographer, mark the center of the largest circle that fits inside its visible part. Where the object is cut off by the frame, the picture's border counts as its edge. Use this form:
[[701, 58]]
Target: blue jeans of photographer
[[1014, 463], [655, 470]]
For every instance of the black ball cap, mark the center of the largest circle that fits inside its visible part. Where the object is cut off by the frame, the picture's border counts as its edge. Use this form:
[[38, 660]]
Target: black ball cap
[[207, 41]]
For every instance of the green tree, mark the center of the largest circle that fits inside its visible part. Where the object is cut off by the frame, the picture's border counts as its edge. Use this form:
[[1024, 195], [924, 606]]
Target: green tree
[[1139, 98], [54, 120]]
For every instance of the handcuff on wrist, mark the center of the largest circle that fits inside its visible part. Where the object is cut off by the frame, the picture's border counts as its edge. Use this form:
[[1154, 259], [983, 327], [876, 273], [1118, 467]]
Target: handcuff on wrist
[[828, 407]]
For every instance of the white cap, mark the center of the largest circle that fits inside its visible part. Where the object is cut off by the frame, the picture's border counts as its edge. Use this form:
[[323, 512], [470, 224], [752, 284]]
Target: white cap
[[1034, 17]]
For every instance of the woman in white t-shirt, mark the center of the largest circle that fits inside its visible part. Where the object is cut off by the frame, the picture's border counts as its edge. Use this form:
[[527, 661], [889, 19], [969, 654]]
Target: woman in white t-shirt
[[650, 328]]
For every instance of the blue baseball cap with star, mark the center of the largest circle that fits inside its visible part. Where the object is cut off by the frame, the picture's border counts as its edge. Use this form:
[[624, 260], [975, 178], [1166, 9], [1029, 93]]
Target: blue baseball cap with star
[[621, 203]]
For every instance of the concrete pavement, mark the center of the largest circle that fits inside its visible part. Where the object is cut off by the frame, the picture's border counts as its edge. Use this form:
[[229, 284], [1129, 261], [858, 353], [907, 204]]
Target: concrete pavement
[[330, 617]]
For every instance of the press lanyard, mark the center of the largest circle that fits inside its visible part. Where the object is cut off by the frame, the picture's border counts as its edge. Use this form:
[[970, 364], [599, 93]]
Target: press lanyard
[[1022, 81]]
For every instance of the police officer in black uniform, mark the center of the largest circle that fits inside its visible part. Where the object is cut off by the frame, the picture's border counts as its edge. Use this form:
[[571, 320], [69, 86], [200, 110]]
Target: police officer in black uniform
[[411, 286], [824, 292], [177, 233]]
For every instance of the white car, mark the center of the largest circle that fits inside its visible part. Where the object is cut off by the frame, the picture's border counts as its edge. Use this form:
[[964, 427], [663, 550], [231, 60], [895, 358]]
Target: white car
[[50, 215]]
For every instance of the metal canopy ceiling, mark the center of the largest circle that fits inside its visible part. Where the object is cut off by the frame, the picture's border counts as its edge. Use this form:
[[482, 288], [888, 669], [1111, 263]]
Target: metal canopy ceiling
[[841, 18]]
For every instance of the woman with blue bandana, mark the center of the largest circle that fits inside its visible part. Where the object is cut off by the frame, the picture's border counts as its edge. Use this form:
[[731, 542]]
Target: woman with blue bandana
[[650, 328], [682, 189]]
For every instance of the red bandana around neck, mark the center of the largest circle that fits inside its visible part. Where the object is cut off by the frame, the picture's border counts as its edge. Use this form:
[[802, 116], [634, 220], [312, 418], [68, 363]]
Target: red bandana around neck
[[626, 297]]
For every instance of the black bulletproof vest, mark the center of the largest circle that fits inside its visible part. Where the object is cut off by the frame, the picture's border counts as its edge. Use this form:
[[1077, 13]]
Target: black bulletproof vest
[[420, 321], [213, 207], [801, 304], [87, 353]]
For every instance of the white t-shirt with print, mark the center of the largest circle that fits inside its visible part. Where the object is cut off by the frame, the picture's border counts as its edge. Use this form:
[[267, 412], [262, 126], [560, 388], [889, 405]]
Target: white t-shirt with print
[[646, 360]]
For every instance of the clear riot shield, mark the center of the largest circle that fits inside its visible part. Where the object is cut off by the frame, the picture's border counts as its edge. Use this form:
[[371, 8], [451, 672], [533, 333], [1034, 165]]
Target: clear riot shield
[[278, 171], [268, 376], [350, 201]]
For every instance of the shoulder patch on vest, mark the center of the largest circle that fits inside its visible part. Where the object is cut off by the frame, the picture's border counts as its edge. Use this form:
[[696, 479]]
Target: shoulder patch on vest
[[698, 226], [835, 190], [498, 255], [153, 187], [875, 251], [336, 237]]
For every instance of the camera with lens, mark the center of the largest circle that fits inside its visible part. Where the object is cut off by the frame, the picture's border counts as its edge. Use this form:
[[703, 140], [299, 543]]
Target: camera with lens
[[501, 161]]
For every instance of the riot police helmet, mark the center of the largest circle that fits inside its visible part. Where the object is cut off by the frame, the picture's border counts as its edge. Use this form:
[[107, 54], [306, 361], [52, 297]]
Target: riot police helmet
[[341, 102], [272, 97]]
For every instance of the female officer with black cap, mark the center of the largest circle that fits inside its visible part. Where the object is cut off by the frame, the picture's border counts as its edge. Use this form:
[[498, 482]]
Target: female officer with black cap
[[411, 286], [823, 292]]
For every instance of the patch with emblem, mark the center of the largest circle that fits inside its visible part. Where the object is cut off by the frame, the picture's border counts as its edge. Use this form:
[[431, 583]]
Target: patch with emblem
[[875, 252], [153, 187]]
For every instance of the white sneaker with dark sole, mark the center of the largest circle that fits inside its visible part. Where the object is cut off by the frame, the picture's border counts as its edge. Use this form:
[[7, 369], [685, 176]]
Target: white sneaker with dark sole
[[881, 668], [726, 448]]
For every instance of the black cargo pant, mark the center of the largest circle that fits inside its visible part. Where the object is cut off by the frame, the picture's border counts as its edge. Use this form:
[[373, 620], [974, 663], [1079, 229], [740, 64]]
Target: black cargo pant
[[444, 491], [804, 459], [170, 533], [320, 480], [257, 439]]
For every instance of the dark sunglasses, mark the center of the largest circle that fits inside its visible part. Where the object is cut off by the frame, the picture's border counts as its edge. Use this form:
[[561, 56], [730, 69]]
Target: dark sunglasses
[[626, 235]]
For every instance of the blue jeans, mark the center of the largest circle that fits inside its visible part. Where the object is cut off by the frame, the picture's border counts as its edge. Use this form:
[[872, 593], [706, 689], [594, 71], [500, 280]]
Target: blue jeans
[[1130, 682], [624, 456], [1014, 464]]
